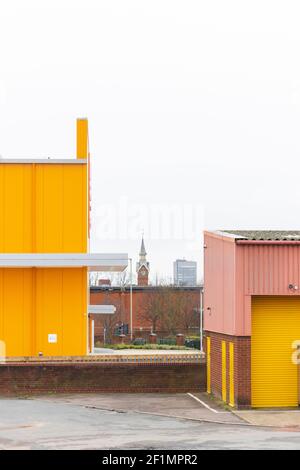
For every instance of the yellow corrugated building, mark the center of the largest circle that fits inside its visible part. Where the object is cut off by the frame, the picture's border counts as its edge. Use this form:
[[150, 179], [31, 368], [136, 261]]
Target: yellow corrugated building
[[44, 258]]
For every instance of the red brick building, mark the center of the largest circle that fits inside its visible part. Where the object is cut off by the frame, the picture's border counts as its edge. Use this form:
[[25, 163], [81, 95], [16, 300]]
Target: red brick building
[[164, 310], [183, 315]]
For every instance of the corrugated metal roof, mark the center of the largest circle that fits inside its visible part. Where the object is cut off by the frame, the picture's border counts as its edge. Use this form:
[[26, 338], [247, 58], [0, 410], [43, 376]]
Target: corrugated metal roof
[[265, 234]]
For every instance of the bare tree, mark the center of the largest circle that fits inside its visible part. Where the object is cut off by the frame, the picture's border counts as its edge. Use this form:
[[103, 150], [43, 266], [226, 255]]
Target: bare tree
[[188, 311], [153, 308], [170, 309]]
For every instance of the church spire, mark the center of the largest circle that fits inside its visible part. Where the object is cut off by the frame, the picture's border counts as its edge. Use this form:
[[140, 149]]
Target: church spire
[[142, 267], [143, 252]]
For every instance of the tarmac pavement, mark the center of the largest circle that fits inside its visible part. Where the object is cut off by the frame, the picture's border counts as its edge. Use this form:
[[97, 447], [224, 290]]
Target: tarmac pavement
[[79, 422]]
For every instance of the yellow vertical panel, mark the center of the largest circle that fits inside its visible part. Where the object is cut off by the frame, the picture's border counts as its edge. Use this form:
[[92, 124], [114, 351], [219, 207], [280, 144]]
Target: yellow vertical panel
[[75, 209], [1, 304], [13, 313], [16, 208], [39, 306], [28, 320], [61, 310], [224, 385], [16, 311], [49, 310], [208, 364], [275, 326], [13, 216], [40, 246], [49, 211], [74, 317], [27, 200], [231, 374], [61, 208], [82, 138], [33, 309], [43, 208], [2, 225]]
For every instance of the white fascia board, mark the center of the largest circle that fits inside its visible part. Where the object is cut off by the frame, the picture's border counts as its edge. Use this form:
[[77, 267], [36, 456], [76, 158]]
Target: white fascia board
[[93, 261], [46, 161]]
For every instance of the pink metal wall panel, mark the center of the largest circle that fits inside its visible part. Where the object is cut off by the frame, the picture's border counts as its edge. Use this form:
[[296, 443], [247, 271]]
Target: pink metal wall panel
[[234, 271], [269, 269], [219, 278], [264, 269]]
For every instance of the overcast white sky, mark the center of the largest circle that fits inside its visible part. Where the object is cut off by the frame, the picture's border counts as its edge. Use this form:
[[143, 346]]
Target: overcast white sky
[[194, 107]]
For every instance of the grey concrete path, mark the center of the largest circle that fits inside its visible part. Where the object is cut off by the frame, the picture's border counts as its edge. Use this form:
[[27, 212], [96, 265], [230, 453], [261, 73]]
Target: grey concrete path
[[194, 406], [271, 417], [37, 424]]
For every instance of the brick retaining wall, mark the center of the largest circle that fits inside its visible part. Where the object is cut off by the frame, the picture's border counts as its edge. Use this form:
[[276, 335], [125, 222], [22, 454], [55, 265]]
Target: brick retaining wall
[[242, 367], [35, 378]]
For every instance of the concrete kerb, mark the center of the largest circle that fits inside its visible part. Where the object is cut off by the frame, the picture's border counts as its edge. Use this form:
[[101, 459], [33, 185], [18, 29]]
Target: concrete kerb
[[242, 421], [154, 413], [199, 420], [185, 418]]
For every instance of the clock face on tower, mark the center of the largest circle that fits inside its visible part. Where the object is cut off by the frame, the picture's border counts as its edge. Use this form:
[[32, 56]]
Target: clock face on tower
[[143, 272]]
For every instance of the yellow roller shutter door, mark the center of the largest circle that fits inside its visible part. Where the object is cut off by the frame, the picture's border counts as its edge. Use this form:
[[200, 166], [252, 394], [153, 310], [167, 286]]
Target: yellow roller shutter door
[[275, 326]]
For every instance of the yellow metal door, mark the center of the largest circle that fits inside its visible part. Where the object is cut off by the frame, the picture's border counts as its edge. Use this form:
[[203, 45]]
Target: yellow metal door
[[275, 326]]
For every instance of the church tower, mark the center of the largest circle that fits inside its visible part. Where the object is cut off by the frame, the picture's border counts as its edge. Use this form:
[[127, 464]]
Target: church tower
[[142, 267]]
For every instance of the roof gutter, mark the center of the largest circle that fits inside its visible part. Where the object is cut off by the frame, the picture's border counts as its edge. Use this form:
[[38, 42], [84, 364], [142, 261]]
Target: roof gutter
[[267, 242]]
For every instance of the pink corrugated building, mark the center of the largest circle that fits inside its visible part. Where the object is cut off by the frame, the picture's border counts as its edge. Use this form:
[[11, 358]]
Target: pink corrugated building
[[251, 288]]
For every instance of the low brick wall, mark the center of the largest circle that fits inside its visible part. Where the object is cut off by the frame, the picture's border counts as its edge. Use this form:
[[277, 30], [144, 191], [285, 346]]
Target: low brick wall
[[36, 378], [242, 367]]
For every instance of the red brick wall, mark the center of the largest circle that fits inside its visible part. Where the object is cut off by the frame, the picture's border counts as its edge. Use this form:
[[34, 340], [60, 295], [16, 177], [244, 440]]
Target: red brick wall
[[23, 379], [242, 367], [121, 299]]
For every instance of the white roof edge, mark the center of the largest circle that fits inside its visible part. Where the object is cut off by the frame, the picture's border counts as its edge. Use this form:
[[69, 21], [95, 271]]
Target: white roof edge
[[226, 234], [94, 261], [46, 161]]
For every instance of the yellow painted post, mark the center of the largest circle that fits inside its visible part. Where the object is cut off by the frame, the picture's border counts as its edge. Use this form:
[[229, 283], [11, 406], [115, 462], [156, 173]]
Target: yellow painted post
[[224, 391], [208, 379], [82, 138], [231, 374]]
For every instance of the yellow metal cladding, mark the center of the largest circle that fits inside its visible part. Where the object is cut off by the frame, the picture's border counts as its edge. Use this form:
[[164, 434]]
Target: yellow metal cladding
[[61, 309], [16, 311], [208, 379], [38, 302], [16, 208], [275, 326], [82, 138], [224, 385], [43, 208], [231, 374]]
